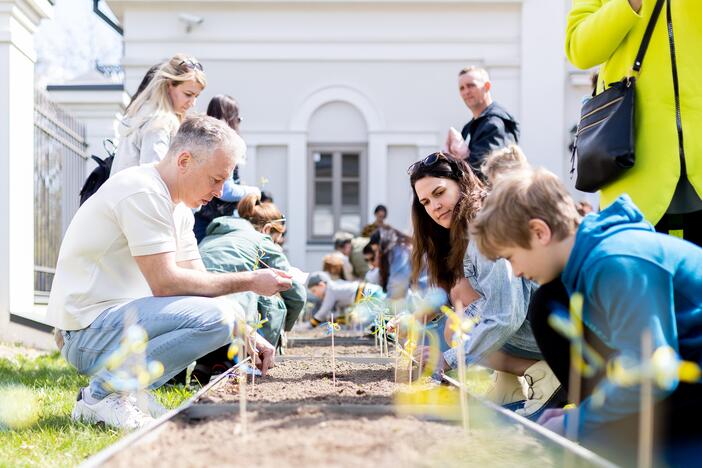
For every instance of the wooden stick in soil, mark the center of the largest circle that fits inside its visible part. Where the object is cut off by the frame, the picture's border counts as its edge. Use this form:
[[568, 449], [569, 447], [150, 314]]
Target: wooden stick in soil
[[465, 416], [421, 342], [645, 456], [397, 351], [575, 374], [333, 352], [253, 363], [385, 337], [242, 389], [409, 341]]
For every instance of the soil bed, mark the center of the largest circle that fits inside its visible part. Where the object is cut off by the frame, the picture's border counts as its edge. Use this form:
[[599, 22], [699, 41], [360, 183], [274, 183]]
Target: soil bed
[[345, 350], [311, 381], [311, 438], [298, 418]]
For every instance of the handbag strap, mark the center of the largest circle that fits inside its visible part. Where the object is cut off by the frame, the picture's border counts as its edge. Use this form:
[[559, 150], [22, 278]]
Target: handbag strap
[[647, 35]]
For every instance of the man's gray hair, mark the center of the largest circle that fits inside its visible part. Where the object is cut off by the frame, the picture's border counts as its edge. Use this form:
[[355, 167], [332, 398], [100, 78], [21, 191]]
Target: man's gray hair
[[478, 71], [201, 136]]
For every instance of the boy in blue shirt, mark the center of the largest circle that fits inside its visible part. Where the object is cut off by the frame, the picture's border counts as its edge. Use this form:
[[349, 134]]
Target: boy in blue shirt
[[632, 279]]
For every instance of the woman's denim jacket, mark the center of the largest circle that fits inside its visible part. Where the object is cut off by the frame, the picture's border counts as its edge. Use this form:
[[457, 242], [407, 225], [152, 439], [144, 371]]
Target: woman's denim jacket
[[501, 309]]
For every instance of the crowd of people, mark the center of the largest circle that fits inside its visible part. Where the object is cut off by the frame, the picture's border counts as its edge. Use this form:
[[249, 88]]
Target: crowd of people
[[505, 241]]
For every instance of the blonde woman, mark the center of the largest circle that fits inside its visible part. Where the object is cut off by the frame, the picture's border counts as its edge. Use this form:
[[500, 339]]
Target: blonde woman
[[155, 115]]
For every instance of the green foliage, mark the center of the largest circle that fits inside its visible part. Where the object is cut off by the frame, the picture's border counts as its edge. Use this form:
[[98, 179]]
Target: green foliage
[[56, 440]]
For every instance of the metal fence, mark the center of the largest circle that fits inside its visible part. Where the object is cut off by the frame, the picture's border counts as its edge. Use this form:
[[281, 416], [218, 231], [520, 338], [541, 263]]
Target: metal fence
[[59, 170]]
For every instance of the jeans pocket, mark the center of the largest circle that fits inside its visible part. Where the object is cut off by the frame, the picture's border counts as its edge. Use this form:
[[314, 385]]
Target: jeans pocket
[[87, 359], [93, 346]]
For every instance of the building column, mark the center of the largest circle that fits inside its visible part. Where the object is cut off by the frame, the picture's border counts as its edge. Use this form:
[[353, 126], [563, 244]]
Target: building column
[[378, 177], [296, 243], [543, 84], [18, 22]]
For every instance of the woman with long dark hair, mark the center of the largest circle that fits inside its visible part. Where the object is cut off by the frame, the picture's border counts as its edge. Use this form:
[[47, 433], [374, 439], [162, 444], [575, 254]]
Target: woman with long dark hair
[[446, 197]]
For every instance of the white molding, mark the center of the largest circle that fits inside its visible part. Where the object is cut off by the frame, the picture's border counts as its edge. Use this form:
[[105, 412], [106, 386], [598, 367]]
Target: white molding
[[495, 54], [119, 6]]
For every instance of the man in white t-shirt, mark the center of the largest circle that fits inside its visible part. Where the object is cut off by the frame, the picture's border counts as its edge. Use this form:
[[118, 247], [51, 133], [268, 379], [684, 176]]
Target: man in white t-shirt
[[129, 257]]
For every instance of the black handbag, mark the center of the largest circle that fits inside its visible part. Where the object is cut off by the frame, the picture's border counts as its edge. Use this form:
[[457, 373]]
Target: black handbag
[[604, 140]]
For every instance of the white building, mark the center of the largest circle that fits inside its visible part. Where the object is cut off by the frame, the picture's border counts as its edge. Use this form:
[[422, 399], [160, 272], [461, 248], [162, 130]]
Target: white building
[[338, 97]]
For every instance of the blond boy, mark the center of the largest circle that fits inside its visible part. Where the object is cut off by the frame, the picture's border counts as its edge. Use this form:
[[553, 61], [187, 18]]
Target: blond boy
[[632, 279]]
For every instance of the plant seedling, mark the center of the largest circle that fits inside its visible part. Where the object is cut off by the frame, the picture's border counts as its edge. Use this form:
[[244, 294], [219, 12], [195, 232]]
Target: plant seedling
[[329, 329]]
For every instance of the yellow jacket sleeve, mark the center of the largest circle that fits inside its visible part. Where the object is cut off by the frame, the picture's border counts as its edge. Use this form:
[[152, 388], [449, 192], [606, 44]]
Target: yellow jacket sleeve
[[596, 28]]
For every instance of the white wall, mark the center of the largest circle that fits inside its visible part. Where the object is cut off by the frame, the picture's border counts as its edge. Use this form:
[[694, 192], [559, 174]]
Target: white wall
[[272, 164], [297, 67], [399, 213]]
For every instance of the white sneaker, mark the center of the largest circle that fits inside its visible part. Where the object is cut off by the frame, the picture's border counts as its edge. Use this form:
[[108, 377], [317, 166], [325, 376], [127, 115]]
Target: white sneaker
[[506, 389], [543, 387], [114, 410], [148, 404]]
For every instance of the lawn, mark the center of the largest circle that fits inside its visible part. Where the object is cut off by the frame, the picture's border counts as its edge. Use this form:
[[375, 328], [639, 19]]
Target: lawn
[[55, 440]]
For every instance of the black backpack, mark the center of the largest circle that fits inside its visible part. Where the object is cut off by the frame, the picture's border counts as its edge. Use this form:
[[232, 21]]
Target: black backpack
[[100, 174]]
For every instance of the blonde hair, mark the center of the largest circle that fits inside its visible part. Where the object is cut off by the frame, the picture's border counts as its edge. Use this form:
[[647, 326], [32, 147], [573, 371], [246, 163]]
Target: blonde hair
[[517, 198], [334, 265], [154, 103], [259, 214], [502, 161]]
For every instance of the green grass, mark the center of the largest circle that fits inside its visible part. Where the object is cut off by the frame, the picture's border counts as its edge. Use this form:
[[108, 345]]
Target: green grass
[[56, 440]]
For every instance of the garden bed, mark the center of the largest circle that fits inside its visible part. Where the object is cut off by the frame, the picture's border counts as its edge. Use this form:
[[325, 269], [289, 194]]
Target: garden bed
[[298, 417]]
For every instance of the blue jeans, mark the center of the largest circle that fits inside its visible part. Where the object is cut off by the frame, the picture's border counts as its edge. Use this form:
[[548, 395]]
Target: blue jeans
[[180, 329]]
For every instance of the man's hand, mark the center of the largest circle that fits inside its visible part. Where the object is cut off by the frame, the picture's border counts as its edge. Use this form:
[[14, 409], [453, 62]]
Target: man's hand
[[554, 420], [262, 351], [269, 281], [456, 146]]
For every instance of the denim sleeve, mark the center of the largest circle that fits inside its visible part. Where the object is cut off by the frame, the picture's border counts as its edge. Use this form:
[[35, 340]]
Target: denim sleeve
[[233, 192], [501, 309], [628, 295]]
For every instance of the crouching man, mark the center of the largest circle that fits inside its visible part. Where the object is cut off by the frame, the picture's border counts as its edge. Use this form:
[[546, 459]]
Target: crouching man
[[129, 257]]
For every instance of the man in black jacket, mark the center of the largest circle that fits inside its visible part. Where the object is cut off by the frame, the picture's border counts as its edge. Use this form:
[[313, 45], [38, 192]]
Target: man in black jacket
[[491, 127]]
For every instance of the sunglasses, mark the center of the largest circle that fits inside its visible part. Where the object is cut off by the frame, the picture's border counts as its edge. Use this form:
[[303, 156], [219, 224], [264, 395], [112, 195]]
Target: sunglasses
[[430, 160], [191, 64]]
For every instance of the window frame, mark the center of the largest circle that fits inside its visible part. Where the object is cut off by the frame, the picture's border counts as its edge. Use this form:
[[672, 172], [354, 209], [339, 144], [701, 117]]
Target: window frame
[[336, 180]]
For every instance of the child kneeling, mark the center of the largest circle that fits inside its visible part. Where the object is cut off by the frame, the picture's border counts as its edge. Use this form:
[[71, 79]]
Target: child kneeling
[[632, 280], [338, 295]]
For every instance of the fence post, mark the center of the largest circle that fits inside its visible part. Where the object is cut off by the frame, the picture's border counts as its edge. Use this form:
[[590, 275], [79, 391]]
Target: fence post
[[18, 22]]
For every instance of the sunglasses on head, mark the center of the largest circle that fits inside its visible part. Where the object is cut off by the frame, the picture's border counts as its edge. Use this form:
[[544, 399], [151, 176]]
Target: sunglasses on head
[[430, 160], [191, 64]]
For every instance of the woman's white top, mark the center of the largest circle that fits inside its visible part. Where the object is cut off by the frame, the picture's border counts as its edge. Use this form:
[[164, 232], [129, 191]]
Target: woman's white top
[[147, 144]]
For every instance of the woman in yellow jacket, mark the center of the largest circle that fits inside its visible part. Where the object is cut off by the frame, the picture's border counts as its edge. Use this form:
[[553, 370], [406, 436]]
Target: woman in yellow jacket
[[666, 180]]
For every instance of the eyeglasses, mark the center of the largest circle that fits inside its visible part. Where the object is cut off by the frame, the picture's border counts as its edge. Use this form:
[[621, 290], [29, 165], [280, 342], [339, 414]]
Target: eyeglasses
[[430, 160], [191, 64], [279, 220]]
